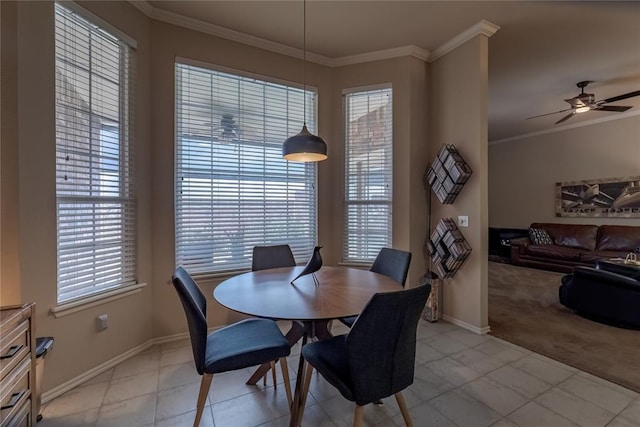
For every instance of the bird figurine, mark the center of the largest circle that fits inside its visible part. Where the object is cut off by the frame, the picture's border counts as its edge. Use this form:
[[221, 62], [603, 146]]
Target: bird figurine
[[313, 265]]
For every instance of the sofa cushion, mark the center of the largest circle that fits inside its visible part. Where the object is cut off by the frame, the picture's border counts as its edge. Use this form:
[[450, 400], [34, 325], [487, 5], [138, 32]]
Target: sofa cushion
[[539, 236], [624, 269], [554, 252], [593, 256], [618, 238], [577, 236]]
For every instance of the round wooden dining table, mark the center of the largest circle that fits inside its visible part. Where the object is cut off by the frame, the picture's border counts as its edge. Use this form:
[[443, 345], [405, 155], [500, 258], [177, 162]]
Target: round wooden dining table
[[339, 292]]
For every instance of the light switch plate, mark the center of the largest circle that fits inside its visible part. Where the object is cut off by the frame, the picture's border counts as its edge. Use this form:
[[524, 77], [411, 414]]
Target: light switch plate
[[102, 322], [463, 221]]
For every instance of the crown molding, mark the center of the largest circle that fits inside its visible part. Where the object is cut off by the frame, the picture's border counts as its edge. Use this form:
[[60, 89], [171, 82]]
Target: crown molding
[[237, 36], [566, 127], [483, 27], [143, 6], [410, 50]]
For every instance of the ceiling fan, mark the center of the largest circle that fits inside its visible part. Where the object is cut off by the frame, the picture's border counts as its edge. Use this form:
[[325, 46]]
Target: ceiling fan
[[584, 102], [227, 130]]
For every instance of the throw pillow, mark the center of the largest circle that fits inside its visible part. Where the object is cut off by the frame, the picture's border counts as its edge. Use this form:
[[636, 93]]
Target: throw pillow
[[540, 236]]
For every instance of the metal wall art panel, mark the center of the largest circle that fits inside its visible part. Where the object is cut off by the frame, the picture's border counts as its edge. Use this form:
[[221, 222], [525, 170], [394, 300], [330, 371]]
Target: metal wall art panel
[[612, 197]]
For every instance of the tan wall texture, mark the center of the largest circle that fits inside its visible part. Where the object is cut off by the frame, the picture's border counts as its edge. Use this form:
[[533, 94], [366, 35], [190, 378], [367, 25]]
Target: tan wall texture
[[523, 173], [458, 89], [155, 311], [10, 292], [78, 345], [169, 42], [407, 77]]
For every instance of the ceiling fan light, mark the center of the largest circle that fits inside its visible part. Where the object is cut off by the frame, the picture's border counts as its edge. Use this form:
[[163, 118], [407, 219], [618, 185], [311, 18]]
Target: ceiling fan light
[[583, 109], [304, 147]]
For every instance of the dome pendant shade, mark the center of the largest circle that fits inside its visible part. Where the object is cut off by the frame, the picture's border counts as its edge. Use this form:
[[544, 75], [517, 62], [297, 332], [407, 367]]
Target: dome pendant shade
[[304, 147]]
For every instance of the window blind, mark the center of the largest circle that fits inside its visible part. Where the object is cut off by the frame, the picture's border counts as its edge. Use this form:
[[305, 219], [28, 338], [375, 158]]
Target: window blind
[[233, 189], [95, 194], [368, 174]]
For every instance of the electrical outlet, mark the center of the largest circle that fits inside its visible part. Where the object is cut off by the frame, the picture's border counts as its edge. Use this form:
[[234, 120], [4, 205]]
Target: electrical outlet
[[101, 322], [463, 221]]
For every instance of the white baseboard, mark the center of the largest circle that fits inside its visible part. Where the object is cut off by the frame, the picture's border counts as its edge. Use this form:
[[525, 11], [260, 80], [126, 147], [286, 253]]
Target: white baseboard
[[171, 338], [94, 372], [467, 326], [86, 376]]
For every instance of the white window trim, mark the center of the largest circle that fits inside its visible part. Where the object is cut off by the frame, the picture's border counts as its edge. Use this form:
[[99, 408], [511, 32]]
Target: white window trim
[[244, 73], [86, 301], [221, 275], [345, 92], [68, 308], [96, 20], [368, 88]]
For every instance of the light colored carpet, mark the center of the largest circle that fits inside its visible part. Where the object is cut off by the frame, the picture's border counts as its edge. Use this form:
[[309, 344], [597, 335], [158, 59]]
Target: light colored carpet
[[524, 309]]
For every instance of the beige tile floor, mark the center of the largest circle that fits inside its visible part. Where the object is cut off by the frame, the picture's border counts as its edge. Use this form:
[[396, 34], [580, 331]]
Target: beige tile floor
[[461, 379]]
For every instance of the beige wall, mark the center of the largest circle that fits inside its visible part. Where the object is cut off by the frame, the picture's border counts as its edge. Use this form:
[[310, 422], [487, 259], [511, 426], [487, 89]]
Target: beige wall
[[169, 42], [458, 101], [523, 173], [456, 113], [156, 312], [407, 77], [78, 346], [10, 292]]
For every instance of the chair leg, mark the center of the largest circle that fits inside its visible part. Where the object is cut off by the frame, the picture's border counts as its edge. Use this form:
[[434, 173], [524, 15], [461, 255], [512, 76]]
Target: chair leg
[[403, 408], [273, 374], [358, 416], [305, 391], [285, 377], [307, 384], [205, 384]]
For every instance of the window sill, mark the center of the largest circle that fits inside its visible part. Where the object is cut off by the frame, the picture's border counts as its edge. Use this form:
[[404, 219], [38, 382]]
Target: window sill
[[219, 276], [66, 309], [355, 264]]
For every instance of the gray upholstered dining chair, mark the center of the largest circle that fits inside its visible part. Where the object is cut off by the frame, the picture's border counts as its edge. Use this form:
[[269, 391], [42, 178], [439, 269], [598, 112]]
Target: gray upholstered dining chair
[[392, 263], [274, 256], [247, 343], [376, 358]]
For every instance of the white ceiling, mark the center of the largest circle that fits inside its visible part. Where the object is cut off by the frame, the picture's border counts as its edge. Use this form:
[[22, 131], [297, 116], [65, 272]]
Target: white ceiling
[[535, 60]]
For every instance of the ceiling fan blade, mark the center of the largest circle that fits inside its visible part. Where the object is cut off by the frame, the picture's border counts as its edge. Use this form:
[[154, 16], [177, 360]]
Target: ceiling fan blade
[[619, 109], [565, 118], [621, 97], [548, 114]]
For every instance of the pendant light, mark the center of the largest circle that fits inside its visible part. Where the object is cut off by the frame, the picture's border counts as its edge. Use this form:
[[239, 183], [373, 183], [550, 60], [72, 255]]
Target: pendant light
[[305, 146]]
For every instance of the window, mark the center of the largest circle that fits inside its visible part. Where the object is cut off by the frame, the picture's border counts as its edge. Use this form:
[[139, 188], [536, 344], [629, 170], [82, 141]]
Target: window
[[233, 188], [95, 195], [368, 174]]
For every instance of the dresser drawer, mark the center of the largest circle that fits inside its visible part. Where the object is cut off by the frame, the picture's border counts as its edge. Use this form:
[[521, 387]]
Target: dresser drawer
[[13, 347], [14, 392], [22, 417]]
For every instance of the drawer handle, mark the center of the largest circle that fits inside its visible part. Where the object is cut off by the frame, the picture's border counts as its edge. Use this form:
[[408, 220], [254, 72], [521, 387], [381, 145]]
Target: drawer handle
[[15, 398], [12, 351]]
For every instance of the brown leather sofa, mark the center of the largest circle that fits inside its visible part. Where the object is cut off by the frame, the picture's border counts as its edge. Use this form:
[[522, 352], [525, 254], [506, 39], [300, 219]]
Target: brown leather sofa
[[574, 245]]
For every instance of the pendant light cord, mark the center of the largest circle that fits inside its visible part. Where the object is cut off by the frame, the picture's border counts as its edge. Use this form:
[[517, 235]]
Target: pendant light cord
[[304, 62]]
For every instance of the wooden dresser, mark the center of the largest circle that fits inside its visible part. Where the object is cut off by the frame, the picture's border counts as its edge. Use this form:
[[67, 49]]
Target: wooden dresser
[[17, 366]]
